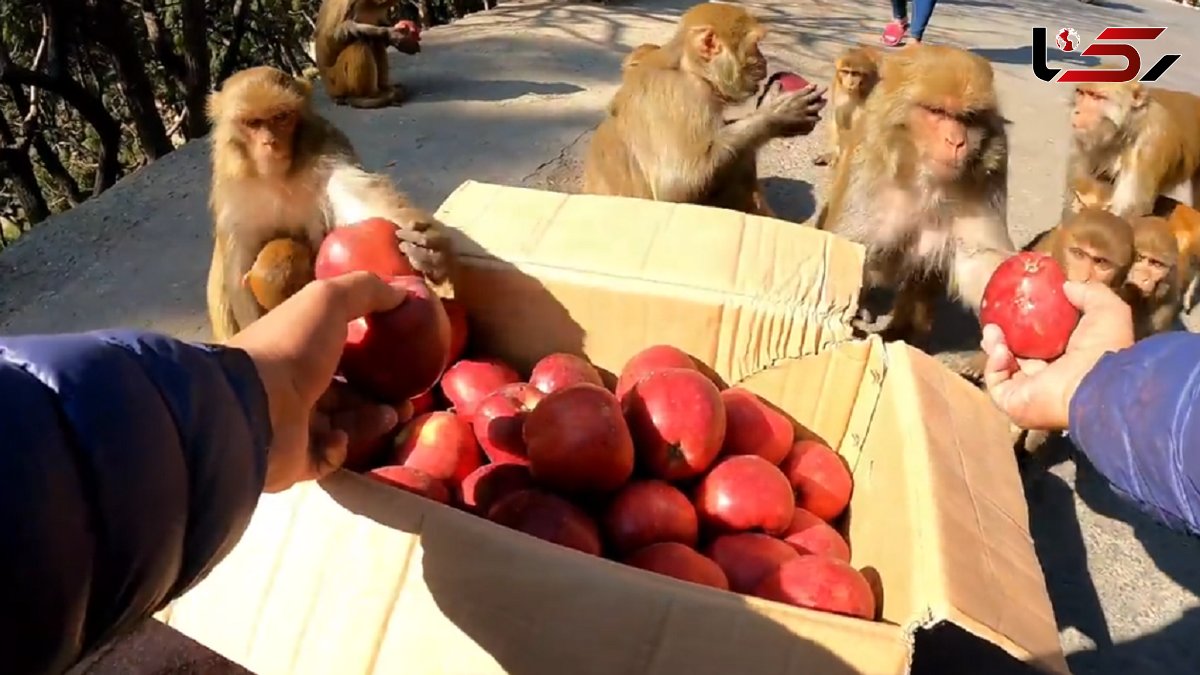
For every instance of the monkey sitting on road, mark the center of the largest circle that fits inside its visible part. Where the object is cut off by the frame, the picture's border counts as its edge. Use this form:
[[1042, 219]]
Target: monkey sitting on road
[[351, 41]]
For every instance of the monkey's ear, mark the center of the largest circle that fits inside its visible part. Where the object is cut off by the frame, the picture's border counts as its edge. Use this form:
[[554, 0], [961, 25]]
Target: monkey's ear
[[1137, 94], [213, 107], [704, 41]]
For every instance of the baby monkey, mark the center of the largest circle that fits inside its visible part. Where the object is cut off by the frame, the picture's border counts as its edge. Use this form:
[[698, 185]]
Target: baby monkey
[[854, 75], [281, 269], [1091, 245], [1152, 284]]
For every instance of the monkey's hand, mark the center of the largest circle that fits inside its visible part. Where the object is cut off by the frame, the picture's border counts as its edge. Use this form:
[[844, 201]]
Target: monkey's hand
[[404, 40], [795, 113], [424, 240]]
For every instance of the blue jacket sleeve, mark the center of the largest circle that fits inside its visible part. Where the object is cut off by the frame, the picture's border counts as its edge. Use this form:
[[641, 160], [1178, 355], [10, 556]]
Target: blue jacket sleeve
[[1134, 416], [130, 464]]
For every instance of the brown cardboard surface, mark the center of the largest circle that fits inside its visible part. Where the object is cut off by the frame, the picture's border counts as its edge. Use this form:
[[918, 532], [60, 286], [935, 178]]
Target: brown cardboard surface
[[353, 577]]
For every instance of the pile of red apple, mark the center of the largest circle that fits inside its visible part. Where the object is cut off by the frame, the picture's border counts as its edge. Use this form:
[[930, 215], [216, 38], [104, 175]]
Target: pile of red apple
[[666, 472]]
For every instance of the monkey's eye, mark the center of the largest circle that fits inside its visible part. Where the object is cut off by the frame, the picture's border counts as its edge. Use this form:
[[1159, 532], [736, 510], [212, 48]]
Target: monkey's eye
[[1077, 252], [1103, 263]]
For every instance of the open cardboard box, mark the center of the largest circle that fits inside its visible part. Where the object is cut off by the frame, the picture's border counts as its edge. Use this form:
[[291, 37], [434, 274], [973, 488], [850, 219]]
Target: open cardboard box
[[350, 576]]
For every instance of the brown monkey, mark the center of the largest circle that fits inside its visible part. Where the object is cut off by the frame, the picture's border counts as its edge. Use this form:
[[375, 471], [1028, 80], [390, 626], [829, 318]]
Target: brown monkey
[[281, 170], [665, 137], [351, 41], [923, 184], [638, 55], [1142, 141], [1092, 245], [854, 75], [282, 267], [1152, 285]]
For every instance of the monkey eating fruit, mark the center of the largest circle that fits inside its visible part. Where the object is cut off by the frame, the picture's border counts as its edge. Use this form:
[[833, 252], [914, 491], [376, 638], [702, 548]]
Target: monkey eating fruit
[[281, 269], [350, 44]]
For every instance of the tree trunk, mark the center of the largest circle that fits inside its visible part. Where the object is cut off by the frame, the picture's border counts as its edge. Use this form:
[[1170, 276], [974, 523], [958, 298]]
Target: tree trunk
[[229, 60], [194, 27], [25, 182], [115, 33]]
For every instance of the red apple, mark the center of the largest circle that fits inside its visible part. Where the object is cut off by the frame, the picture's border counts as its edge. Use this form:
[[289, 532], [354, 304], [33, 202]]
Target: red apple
[[548, 517], [398, 354], [423, 403], [577, 440], [1025, 298], [788, 82], [466, 383], [820, 477], [499, 422], [557, 371], [649, 360], [745, 492], [648, 512], [822, 583], [369, 245], [410, 26], [411, 480], [748, 557], [678, 422], [754, 428], [439, 443], [490, 483], [459, 327], [673, 559], [808, 534]]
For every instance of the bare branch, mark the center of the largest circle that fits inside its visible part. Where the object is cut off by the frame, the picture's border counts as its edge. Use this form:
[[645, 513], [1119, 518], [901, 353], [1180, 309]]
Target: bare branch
[[241, 9]]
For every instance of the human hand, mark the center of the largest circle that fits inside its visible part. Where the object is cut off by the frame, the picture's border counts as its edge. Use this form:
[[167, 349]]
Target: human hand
[[1036, 394], [296, 348]]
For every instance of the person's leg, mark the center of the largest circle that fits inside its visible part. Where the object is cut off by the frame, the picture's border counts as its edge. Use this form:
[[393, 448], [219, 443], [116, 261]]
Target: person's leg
[[922, 10], [893, 33]]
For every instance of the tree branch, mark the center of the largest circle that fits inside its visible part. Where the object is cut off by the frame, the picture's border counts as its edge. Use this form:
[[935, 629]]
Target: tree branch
[[229, 60], [160, 38]]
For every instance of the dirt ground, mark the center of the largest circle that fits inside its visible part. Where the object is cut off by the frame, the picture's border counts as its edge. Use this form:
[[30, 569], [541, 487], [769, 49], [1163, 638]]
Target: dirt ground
[[511, 96]]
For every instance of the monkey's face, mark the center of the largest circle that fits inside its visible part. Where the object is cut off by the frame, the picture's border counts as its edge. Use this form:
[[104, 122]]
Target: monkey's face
[[1101, 112], [946, 142], [1148, 273], [1086, 263], [269, 139]]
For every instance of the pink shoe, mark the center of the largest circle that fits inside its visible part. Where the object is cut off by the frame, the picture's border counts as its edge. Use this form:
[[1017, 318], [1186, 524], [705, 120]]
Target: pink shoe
[[893, 33]]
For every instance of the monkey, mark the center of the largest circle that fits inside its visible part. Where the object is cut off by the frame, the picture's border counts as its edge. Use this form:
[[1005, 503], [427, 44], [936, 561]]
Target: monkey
[[1142, 141], [1152, 285], [281, 170], [638, 55], [281, 269], [1183, 220], [664, 136], [922, 184], [854, 75], [351, 41], [1091, 245]]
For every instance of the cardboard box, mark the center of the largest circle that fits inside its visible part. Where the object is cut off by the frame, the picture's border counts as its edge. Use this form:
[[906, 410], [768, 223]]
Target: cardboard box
[[350, 576]]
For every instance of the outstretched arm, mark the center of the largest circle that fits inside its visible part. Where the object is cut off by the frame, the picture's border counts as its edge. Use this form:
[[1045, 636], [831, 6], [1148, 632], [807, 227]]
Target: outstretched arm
[[1134, 416], [130, 465]]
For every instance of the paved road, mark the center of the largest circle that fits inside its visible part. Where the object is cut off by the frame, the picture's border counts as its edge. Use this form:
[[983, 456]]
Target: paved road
[[511, 96]]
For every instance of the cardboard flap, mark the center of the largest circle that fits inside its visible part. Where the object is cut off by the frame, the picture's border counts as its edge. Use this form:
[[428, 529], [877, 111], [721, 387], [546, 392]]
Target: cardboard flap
[[316, 586], [777, 289], [976, 556]]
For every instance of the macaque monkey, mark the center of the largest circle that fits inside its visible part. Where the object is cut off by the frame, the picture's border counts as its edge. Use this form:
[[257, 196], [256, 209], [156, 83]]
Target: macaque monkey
[[281, 170], [664, 136], [855, 74], [351, 41], [922, 184], [281, 269], [1142, 141], [1092, 245], [1152, 285]]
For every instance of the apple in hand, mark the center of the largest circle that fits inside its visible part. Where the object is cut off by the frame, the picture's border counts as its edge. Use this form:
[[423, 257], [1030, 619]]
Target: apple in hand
[[577, 440], [1025, 298], [499, 422], [673, 559], [754, 428], [439, 443], [557, 371], [678, 422], [369, 245], [399, 354], [547, 516], [648, 512], [467, 382], [411, 480], [788, 82], [649, 360], [820, 478], [745, 492]]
